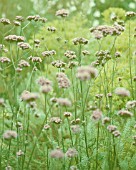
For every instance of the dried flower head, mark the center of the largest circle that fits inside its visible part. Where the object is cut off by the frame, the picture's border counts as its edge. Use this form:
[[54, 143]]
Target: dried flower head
[[19, 18], [131, 104], [64, 102], [116, 133], [111, 128], [70, 55], [53, 100], [109, 95], [37, 41], [71, 152], [56, 120], [105, 120], [5, 21], [43, 81], [48, 53], [63, 80], [121, 91], [125, 113], [56, 153], [4, 60], [23, 63], [86, 72], [23, 45], [99, 96], [85, 52], [97, 114], [46, 127], [35, 59], [72, 64], [67, 114], [16, 23], [130, 14], [58, 64], [10, 134], [46, 88], [52, 29], [18, 69], [28, 96], [75, 129], [20, 153], [80, 40], [14, 38], [62, 13]]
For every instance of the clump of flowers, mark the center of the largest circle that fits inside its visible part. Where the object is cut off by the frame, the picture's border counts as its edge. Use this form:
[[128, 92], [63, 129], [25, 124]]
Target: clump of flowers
[[62, 13], [23, 63], [111, 128], [63, 80], [52, 29], [5, 21], [23, 45], [86, 72], [71, 152], [64, 102], [10, 134], [80, 40], [121, 91], [97, 114], [14, 38], [70, 55], [131, 104], [56, 153], [106, 120], [48, 53], [4, 60], [125, 113], [56, 120], [58, 64], [28, 96]]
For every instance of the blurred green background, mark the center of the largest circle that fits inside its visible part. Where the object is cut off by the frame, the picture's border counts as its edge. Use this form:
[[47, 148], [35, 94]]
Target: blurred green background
[[93, 9]]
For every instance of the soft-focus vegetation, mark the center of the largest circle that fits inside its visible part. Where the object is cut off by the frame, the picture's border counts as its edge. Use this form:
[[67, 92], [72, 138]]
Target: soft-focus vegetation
[[68, 85]]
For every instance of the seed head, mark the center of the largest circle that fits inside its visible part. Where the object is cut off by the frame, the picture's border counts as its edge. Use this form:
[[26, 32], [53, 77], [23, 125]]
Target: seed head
[[80, 40], [19, 18], [20, 153], [56, 153], [52, 29], [106, 120], [23, 63], [121, 91], [4, 60], [10, 134], [75, 129], [64, 102], [116, 133], [56, 120], [71, 152], [5, 21], [62, 13], [111, 128], [131, 104], [23, 45], [48, 53], [70, 55], [63, 80], [125, 113], [67, 114], [97, 114], [28, 96]]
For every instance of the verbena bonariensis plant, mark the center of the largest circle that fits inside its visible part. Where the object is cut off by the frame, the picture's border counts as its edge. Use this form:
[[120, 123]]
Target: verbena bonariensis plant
[[66, 112]]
